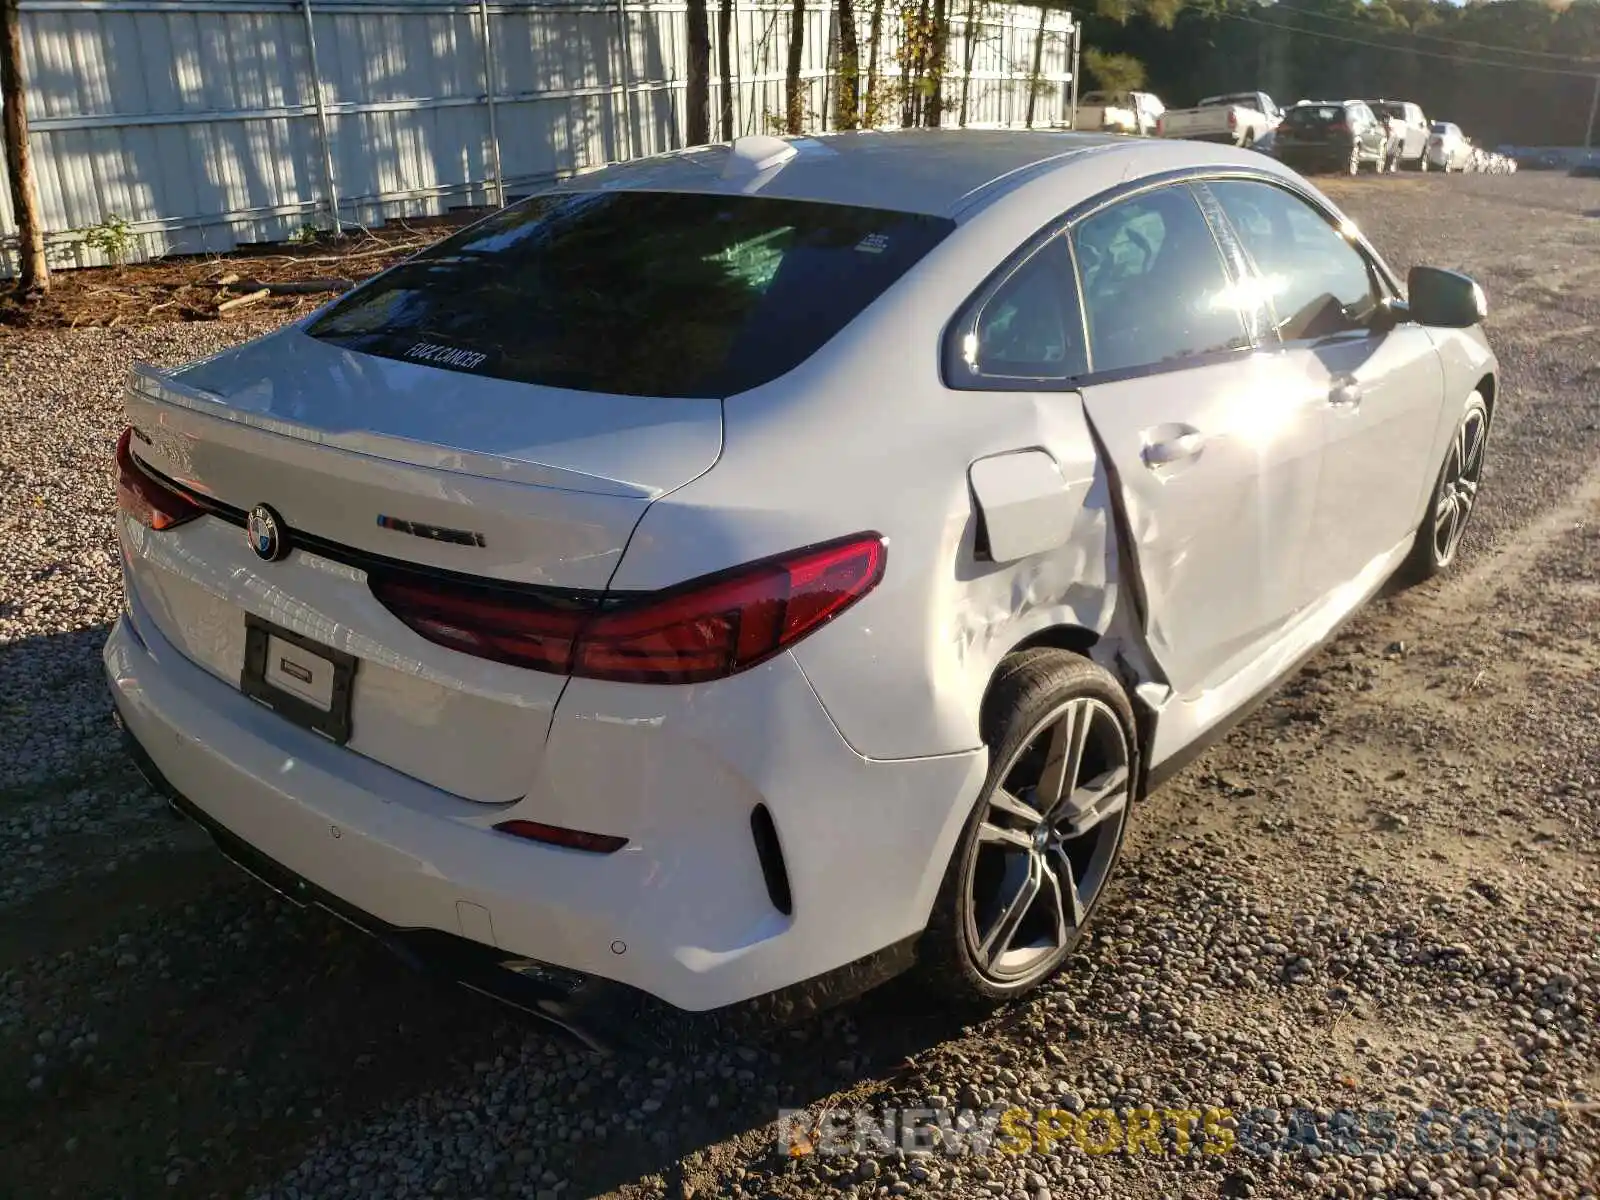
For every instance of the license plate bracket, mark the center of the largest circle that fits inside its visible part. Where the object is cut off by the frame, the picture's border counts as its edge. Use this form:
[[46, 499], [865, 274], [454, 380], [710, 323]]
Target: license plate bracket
[[316, 670]]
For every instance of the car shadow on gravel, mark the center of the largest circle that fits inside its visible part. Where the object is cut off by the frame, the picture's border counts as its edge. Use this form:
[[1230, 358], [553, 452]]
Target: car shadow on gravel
[[177, 1026], [213, 1034], [55, 713]]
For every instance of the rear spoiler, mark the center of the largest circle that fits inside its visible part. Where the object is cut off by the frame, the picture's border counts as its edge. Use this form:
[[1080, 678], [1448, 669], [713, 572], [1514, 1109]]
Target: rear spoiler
[[164, 387]]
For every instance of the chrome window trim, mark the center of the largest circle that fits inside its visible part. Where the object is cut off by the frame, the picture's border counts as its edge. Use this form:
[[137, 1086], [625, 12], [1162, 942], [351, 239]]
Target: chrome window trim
[[958, 376]]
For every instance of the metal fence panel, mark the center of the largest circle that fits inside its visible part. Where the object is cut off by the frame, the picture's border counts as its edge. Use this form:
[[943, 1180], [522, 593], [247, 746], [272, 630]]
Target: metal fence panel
[[198, 121]]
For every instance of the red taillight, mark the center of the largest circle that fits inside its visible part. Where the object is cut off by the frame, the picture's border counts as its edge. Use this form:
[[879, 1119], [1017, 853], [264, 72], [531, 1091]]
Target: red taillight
[[570, 839], [508, 627], [145, 498], [705, 629], [1233, 119]]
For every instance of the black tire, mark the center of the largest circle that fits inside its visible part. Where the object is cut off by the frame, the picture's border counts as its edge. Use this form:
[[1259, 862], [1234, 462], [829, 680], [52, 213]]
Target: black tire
[[1422, 163], [1029, 700], [1432, 553]]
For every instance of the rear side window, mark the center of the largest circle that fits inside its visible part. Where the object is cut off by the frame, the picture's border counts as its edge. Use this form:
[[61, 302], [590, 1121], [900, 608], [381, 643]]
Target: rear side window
[[1314, 114], [639, 293], [1030, 327]]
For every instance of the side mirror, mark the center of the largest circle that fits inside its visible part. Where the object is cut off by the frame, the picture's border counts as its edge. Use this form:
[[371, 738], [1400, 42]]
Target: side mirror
[[1445, 299]]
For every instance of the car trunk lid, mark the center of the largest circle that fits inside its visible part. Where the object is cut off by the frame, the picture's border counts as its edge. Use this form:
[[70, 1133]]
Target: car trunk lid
[[526, 483], [380, 466]]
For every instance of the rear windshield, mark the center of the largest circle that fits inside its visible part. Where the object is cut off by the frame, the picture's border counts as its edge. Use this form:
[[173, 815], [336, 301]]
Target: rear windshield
[[1390, 110], [1241, 100], [640, 293], [1314, 114]]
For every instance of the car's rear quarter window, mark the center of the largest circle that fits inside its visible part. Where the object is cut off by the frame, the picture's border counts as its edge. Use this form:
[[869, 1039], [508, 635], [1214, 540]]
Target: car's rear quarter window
[[641, 293]]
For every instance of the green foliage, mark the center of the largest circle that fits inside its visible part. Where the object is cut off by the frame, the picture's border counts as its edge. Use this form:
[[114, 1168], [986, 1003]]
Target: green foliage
[[1113, 72], [306, 235], [1161, 13], [113, 237]]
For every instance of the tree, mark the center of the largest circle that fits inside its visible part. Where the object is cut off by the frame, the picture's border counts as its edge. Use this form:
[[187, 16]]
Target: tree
[[697, 95], [795, 101], [1036, 72], [725, 65], [848, 115], [940, 52], [1114, 72], [970, 49], [874, 39], [34, 270]]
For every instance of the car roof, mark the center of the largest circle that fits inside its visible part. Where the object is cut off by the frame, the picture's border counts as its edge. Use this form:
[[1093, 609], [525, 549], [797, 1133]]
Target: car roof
[[939, 172]]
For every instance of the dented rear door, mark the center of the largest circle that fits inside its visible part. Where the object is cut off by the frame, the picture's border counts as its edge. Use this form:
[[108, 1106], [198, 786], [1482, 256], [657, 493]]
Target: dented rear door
[[1217, 472], [1215, 459]]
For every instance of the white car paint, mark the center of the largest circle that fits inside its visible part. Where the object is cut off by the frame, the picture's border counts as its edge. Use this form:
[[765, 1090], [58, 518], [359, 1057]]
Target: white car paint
[[1409, 128], [1448, 148], [1238, 118], [1246, 500], [1120, 112]]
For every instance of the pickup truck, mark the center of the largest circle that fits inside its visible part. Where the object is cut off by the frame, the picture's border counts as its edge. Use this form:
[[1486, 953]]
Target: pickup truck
[[1119, 112], [1242, 118]]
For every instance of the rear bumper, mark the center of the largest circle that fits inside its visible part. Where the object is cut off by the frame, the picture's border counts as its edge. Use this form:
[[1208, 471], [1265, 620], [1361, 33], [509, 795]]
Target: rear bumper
[[685, 919], [1314, 155], [584, 1006]]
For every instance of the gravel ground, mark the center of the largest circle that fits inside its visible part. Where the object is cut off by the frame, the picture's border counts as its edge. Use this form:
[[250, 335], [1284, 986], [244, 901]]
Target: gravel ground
[[1378, 896]]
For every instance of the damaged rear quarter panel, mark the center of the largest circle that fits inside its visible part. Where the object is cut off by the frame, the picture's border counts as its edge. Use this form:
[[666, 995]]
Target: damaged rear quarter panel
[[970, 612]]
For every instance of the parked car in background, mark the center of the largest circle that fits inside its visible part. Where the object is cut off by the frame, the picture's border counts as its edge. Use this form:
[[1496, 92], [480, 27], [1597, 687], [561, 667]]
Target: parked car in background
[[1408, 129], [1448, 148], [1120, 112], [1327, 135], [526, 607], [1242, 118]]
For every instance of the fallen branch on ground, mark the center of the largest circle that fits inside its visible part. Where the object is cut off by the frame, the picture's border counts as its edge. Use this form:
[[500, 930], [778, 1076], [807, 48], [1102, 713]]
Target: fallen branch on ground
[[297, 287], [241, 301]]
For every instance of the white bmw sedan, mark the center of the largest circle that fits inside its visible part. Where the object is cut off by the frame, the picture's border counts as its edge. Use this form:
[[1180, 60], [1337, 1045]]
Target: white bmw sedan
[[743, 574]]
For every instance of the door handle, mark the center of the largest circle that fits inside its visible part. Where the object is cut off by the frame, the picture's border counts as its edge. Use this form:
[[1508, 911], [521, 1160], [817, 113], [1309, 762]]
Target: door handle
[[1346, 393], [1174, 449]]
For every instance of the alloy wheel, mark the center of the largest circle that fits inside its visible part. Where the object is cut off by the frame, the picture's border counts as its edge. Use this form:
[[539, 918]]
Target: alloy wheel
[[1047, 841], [1458, 486]]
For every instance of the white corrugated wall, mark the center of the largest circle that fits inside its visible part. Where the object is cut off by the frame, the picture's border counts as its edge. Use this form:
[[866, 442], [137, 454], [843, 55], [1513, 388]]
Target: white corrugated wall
[[197, 122]]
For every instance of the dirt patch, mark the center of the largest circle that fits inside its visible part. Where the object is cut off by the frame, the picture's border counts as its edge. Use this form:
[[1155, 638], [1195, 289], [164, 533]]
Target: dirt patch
[[214, 287]]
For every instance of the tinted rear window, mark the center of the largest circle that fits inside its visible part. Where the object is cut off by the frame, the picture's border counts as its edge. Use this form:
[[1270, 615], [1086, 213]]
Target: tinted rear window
[[640, 293], [1322, 114]]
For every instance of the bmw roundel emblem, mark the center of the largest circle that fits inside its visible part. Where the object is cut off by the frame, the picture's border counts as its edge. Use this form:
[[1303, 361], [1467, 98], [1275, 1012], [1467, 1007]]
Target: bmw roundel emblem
[[264, 531]]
